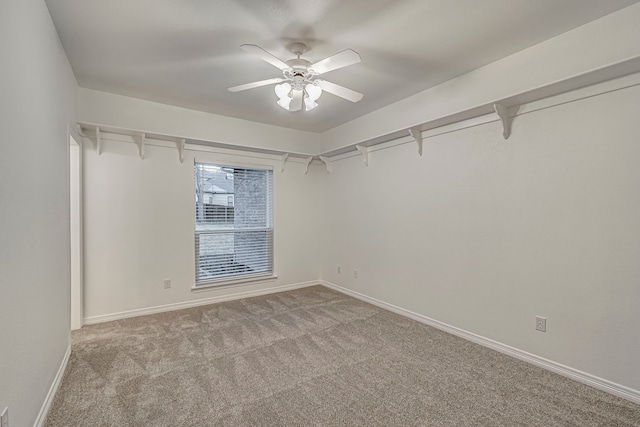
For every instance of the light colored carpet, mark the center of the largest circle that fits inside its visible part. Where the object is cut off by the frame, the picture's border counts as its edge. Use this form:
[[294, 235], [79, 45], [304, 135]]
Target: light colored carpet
[[309, 357]]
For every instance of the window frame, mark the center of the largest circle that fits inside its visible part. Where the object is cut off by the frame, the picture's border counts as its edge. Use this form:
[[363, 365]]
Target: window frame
[[243, 278]]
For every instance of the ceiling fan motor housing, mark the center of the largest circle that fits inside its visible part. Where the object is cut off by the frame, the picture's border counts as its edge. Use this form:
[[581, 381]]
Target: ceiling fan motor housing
[[298, 82], [298, 68]]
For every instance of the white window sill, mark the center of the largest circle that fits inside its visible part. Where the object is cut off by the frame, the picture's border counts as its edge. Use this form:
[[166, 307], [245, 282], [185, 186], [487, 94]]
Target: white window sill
[[232, 283]]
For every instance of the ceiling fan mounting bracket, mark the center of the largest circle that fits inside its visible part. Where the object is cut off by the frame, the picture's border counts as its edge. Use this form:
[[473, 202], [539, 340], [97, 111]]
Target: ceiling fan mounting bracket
[[298, 48]]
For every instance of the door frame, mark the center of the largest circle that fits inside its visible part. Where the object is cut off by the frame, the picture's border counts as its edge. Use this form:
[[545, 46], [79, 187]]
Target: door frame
[[76, 235]]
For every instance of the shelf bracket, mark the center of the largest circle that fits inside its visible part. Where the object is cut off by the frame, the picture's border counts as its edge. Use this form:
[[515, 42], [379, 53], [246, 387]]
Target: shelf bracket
[[98, 140], [416, 133], [283, 160], [503, 113], [327, 162], [141, 140], [365, 153], [181, 143], [307, 161]]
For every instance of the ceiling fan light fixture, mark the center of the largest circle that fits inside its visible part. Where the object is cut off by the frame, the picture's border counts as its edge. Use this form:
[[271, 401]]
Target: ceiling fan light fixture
[[283, 90], [313, 91], [284, 102], [309, 104]]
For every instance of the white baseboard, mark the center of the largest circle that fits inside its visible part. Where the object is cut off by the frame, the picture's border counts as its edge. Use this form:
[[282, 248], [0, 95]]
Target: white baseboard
[[566, 371], [195, 303], [44, 410]]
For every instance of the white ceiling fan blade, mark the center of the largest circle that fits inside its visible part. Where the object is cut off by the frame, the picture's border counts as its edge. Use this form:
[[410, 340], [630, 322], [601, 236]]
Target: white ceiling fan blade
[[340, 91], [339, 60], [264, 55], [254, 84], [296, 102]]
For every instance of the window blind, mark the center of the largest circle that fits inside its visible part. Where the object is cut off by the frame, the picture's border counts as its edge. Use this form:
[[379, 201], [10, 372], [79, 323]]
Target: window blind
[[234, 222]]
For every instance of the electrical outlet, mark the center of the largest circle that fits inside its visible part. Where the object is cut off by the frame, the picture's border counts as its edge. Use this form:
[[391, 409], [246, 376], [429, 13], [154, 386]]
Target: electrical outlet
[[4, 418], [355, 274], [167, 283], [339, 270], [541, 324]]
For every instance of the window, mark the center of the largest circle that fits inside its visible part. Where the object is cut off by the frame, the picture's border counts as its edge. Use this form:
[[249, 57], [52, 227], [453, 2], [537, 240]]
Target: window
[[234, 223]]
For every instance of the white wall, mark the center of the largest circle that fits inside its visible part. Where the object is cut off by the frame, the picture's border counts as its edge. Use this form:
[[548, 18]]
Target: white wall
[[484, 234], [139, 226], [37, 102], [103, 108], [613, 50]]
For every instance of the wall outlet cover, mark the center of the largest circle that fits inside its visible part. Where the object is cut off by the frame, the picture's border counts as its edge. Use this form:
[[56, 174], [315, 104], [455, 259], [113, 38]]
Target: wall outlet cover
[[541, 324]]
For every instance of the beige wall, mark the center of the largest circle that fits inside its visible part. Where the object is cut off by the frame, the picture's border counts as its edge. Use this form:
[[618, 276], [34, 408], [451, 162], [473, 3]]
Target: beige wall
[[484, 234], [37, 103]]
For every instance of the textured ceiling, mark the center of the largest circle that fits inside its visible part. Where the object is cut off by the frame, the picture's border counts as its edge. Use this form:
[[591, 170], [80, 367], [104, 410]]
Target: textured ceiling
[[187, 52]]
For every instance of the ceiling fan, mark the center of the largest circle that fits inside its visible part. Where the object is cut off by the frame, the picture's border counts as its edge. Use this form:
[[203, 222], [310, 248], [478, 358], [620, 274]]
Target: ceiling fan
[[299, 83]]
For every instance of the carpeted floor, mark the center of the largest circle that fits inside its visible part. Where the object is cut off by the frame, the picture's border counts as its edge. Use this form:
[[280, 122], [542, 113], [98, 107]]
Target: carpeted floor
[[309, 357]]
